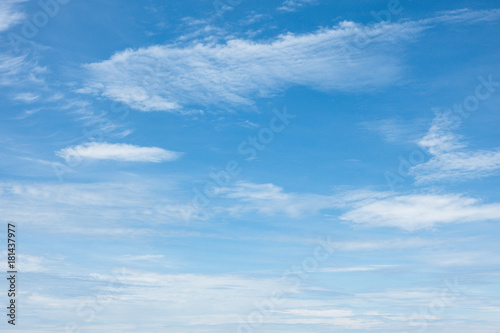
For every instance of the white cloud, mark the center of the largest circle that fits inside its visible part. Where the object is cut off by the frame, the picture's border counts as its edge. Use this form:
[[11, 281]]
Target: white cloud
[[10, 14], [19, 70], [440, 138], [340, 323], [184, 76], [466, 16], [252, 18], [418, 211], [373, 245], [27, 263], [171, 77], [407, 211], [319, 313], [183, 296], [451, 159], [26, 97], [270, 199], [146, 257], [70, 207], [117, 152], [111, 209], [460, 258], [392, 130], [186, 296], [344, 318], [293, 5], [367, 268]]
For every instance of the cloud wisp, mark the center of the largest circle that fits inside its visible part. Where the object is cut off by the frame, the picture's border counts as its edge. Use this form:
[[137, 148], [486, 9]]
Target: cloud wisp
[[185, 76], [10, 14], [419, 211], [19, 70], [294, 5], [173, 78], [375, 209], [451, 159], [117, 152]]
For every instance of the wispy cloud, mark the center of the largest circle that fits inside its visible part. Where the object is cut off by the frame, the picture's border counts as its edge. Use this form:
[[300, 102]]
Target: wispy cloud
[[374, 245], [173, 78], [51, 204], [186, 297], [26, 97], [111, 209], [319, 313], [10, 14], [419, 211], [390, 209], [117, 152], [145, 257], [367, 268], [178, 76], [452, 160], [293, 5], [460, 258], [17, 70], [340, 318], [270, 199], [392, 130], [28, 263]]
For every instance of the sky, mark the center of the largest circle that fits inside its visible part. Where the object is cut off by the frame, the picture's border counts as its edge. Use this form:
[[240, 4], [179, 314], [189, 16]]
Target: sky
[[251, 166]]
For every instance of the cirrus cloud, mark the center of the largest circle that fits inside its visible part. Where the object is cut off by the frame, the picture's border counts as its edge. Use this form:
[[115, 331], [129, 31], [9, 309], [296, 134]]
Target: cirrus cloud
[[420, 211], [181, 76], [117, 152], [10, 14], [451, 159]]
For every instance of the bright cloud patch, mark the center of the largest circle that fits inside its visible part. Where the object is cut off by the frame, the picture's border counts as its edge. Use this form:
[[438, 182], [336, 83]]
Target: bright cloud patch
[[419, 211], [169, 77], [347, 57], [451, 159], [384, 209], [117, 152], [9, 15]]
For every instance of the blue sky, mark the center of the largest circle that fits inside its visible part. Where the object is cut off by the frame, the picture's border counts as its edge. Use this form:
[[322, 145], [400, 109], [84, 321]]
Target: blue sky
[[252, 166]]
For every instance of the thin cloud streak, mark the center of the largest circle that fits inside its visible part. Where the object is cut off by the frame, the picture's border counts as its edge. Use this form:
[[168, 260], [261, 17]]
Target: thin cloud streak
[[294, 5], [117, 152]]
